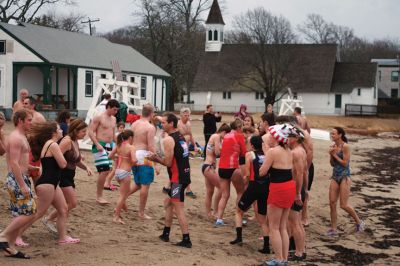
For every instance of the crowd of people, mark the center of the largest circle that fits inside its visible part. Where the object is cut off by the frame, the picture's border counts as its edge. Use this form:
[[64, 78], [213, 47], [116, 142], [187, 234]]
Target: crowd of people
[[269, 164]]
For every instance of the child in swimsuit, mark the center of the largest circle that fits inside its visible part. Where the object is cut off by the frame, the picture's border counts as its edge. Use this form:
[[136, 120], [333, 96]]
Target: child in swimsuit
[[126, 154]]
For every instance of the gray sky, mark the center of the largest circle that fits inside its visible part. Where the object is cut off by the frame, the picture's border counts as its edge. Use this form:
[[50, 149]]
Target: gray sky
[[369, 18]]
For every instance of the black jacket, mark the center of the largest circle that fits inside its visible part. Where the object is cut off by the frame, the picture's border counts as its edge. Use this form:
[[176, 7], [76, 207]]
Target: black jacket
[[210, 123]]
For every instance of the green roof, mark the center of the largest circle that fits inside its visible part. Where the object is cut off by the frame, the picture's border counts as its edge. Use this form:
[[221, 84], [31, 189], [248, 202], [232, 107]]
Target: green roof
[[70, 48]]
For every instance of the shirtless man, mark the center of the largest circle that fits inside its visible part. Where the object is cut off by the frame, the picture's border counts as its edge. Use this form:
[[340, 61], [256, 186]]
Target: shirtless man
[[185, 128], [22, 203], [176, 159], [143, 171], [301, 121], [101, 132], [30, 104], [19, 104], [299, 172]]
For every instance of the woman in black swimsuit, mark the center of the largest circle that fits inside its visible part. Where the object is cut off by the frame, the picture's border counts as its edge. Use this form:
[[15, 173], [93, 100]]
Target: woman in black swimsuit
[[43, 139], [70, 148]]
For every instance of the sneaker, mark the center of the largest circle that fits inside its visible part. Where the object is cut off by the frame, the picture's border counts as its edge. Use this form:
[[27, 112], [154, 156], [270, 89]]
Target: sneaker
[[184, 243], [220, 222], [360, 227], [164, 238], [49, 225], [275, 262], [191, 194], [332, 233]]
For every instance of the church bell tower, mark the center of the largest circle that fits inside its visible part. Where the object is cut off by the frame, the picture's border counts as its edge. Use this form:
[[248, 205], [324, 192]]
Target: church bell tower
[[214, 29]]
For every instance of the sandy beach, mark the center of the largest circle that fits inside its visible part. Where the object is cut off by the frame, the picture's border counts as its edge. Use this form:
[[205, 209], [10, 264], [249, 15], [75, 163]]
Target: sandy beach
[[375, 195]]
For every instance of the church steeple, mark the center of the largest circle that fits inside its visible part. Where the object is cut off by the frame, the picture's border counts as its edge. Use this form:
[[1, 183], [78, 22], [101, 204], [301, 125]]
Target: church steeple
[[215, 29]]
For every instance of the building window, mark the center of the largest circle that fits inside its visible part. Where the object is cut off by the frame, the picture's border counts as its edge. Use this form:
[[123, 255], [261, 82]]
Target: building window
[[395, 76], [375, 89], [215, 35], [294, 95], [2, 47], [103, 76], [123, 77], [132, 79], [210, 35], [222, 36], [259, 95], [359, 92], [226, 95], [143, 88], [89, 84], [380, 75], [394, 93]]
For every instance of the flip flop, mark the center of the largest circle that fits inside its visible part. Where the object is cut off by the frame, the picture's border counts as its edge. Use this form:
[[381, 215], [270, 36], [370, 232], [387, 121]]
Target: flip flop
[[111, 188], [18, 255], [69, 240], [21, 243]]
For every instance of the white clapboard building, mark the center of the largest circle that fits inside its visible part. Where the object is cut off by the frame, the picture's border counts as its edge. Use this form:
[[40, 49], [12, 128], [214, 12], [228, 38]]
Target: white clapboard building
[[315, 74], [61, 69]]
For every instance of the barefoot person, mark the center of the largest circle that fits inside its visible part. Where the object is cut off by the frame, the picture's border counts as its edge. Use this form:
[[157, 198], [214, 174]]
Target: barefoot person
[[185, 128], [43, 138], [143, 171], [70, 148], [19, 104], [233, 152], [101, 132], [22, 203], [126, 158], [257, 190], [282, 191], [301, 120], [213, 149], [339, 153], [300, 177], [177, 161]]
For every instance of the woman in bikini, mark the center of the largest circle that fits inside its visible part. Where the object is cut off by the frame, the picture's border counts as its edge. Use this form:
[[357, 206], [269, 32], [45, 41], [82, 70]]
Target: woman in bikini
[[339, 153], [126, 154], [208, 169], [70, 148], [43, 139]]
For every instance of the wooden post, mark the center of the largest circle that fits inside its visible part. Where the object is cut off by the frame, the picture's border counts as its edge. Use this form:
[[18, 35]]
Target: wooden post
[[68, 88], [57, 87], [75, 87], [16, 70], [155, 91], [47, 86]]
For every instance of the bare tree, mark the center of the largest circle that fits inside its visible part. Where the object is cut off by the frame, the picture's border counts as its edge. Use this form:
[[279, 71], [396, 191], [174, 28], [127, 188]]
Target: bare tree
[[317, 30], [267, 60], [70, 22], [25, 10]]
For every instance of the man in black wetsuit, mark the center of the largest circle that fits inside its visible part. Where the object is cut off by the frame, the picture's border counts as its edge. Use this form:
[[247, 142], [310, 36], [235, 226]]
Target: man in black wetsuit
[[176, 160]]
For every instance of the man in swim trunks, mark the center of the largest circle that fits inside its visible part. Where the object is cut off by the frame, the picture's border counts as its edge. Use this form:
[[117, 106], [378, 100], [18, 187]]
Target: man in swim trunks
[[177, 161], [301, 120], [143, 172], [185, 128], [22, 203], [101, 132], [267, 136], [300, 172]]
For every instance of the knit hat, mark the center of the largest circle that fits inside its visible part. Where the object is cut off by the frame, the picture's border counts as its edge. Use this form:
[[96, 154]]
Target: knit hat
[[280, 132]]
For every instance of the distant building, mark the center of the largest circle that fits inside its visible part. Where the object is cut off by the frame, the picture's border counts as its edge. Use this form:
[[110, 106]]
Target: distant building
[[315, 74], [387, 78], [62, 68]]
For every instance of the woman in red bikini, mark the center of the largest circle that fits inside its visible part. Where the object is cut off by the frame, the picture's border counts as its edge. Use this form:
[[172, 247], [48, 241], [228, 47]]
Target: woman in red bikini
[[282, 191]]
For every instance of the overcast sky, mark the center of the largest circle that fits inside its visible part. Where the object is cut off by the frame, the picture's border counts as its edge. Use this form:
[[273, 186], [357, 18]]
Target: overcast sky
[[369, 18]]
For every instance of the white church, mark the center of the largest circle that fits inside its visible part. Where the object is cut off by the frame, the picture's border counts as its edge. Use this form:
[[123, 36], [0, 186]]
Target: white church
[[315, 74]]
